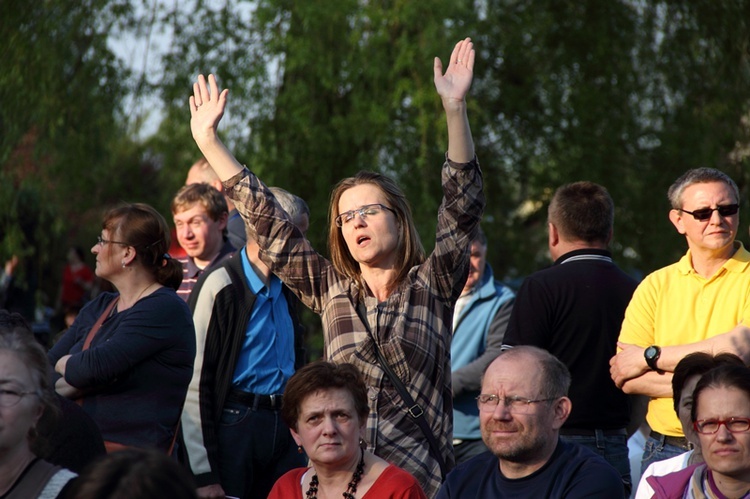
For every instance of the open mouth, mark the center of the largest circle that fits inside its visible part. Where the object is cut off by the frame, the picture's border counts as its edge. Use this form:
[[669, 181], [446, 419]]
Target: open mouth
[[362, 239]]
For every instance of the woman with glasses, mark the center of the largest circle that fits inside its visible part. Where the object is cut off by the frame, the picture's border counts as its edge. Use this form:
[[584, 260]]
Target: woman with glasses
[[378, 291], [687, 373], [721, 420], [128, 357], [25, 397]]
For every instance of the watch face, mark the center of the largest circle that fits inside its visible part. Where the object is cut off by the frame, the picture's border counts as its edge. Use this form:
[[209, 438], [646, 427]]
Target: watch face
[[650, 352]]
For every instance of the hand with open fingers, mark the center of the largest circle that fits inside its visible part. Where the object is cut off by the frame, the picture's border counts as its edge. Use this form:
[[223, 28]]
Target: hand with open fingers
[[207, 106], [454, 84]]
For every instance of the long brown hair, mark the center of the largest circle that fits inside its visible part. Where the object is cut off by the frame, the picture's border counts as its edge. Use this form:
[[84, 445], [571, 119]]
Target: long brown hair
[[410, 250]]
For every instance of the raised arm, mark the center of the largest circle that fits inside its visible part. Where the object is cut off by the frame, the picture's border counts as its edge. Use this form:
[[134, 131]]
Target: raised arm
[[207, 106], [452, 86]]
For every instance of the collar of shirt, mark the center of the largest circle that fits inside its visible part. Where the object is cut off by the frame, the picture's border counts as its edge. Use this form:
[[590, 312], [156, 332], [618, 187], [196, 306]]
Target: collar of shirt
[[255, 283], [585, 254]]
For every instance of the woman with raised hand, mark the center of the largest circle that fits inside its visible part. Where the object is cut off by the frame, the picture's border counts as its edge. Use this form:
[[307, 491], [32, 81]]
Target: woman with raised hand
[[379, 296], [128, 357]]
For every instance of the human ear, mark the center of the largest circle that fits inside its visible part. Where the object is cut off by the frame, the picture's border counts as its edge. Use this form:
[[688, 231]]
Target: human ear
[[562, 410], [675, 216]]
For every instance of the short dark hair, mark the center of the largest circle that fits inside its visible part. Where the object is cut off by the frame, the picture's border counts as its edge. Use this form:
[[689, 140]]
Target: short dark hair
[[142, 473], [727, 376], [555, 374], [583, 211], [323, 375], [698, 176], [697, 364]]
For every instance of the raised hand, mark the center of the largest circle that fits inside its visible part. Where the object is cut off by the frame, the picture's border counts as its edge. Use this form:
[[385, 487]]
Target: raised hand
[[455, 83], [206, 108]]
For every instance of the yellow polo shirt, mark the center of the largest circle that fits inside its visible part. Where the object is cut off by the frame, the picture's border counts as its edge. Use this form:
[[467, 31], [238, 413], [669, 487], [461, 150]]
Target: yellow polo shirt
[[675, 306]]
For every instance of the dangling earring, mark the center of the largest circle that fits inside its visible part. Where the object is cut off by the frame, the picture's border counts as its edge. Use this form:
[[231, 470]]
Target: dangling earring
[[299, 449], [362, 443], [123, 264]]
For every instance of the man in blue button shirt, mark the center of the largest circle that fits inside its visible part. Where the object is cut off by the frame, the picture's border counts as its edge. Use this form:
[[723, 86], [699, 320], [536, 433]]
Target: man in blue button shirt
[[235, 442]]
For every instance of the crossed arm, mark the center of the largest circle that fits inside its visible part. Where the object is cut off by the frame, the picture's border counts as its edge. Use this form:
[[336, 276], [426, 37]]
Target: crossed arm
[[631, 373]]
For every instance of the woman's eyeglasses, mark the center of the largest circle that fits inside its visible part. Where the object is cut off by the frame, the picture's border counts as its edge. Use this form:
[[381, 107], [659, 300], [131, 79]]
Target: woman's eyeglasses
[[101, 241], [368, 210], [711, 426], [9, 398], [705, 213]]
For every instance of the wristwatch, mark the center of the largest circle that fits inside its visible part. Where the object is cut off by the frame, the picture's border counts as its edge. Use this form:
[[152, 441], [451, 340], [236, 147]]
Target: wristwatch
[[651, 354]]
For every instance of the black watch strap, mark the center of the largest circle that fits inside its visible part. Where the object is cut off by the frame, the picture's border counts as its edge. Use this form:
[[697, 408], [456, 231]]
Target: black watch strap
[[652, 354]]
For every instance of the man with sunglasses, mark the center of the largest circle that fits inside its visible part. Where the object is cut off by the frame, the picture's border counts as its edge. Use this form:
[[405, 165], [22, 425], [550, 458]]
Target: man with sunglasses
[[700, 303]]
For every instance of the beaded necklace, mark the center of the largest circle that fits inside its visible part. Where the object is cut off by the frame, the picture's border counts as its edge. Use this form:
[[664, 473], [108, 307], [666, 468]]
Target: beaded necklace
[[312, 492]]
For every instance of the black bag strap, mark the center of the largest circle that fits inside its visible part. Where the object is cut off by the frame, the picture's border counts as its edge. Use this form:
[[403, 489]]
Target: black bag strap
[[414, 410]]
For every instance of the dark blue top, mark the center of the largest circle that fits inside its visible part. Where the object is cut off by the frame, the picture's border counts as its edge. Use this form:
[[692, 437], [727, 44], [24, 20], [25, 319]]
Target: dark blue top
[[572, 472], [574, 310], [137, 369]]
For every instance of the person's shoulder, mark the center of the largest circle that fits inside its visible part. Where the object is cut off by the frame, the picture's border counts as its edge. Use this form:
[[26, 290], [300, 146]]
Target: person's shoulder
[[166, 301], [167, 295], [287, 486], [483, 461], [393, 473], [588, 470], [97, 304], [502, 289], [662, 278], [585, 460], [475, 477]]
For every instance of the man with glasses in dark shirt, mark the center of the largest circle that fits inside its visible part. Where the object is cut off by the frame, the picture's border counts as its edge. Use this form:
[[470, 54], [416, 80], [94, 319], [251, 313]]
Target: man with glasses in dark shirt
[[522, 406]]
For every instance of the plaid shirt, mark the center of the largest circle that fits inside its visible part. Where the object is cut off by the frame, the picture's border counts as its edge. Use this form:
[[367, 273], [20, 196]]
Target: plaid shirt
[[412, 327]]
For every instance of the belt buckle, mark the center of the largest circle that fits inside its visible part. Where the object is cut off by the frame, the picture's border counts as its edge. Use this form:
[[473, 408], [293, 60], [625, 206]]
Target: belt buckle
[[273, 400]]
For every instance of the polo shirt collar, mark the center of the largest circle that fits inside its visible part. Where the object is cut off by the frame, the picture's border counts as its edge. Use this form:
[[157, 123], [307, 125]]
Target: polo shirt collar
[[738, 262], [585, 254]]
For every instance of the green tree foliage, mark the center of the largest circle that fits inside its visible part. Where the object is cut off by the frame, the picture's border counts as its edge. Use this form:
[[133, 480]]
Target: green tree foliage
[[625, 93], [628, 93], [64, 148]]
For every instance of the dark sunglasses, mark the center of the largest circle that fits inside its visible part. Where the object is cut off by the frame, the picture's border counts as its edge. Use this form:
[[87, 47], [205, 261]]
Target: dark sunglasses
[[705, 213]]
